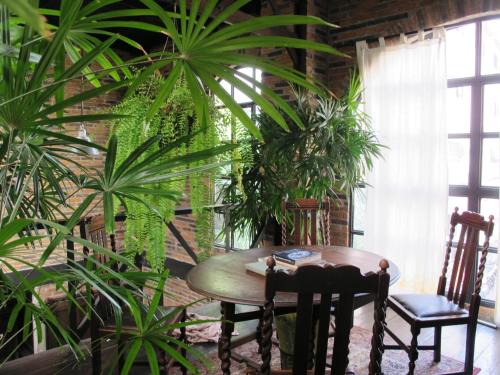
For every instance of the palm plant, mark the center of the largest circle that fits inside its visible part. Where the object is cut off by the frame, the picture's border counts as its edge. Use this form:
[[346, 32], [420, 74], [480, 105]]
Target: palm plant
[[37, 157], [153, 333]]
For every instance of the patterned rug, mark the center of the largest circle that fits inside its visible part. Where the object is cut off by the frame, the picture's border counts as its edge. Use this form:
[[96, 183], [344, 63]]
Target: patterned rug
[[394, 362]]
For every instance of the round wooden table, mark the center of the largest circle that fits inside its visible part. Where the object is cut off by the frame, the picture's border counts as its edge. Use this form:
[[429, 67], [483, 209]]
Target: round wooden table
[[224, 278]]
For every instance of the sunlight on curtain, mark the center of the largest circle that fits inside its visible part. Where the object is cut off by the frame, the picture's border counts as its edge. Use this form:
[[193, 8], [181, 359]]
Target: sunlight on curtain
[[497, 304], [406, 212]]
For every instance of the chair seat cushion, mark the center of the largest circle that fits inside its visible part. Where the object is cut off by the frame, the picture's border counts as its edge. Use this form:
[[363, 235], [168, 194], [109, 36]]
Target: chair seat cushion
[[428, 305]]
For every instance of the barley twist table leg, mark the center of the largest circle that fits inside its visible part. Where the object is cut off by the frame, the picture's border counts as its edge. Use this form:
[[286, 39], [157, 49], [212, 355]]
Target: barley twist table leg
[[227, 312]]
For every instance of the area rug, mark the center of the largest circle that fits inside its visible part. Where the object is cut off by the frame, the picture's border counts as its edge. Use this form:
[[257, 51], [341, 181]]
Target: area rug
[[394, 362]]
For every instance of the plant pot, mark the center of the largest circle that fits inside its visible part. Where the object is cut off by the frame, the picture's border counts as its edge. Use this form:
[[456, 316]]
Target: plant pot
[[285, 331]]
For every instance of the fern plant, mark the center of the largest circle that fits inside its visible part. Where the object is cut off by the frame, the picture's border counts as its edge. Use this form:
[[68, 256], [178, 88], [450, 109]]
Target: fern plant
[[145, 228]]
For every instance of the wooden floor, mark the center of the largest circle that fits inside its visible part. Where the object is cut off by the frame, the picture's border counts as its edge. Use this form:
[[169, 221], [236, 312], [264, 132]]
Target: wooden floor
[[487, 352]]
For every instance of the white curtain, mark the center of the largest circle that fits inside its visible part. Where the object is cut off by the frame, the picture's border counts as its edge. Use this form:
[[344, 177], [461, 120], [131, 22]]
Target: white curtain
[[406, 213], [497, 304]]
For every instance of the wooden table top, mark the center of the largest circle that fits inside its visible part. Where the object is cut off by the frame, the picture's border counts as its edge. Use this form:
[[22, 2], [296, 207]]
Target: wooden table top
[[224, 277]]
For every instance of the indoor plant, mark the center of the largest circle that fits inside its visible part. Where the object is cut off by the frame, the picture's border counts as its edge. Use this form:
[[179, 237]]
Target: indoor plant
[[330, 155], [36, 154]]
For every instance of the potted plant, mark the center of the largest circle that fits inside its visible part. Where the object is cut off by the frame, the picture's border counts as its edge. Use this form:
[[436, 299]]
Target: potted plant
[[330, 154], [38, 157]]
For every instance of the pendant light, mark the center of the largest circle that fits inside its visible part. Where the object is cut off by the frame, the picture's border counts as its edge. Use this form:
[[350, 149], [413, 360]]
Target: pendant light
[[82, 132]]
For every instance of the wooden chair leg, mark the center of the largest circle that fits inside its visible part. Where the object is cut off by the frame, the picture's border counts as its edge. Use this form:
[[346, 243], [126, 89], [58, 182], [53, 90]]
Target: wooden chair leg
[[413, 354], [437, 344], [469, 348], [258, 336]]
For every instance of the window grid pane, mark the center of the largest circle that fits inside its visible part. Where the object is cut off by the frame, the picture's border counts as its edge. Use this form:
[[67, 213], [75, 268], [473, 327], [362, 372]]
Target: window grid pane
[[238, 240], [460, 47]]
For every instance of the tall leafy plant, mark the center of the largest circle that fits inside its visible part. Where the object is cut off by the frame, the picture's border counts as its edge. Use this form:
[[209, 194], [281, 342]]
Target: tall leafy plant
[[38, 157], [332, 154]]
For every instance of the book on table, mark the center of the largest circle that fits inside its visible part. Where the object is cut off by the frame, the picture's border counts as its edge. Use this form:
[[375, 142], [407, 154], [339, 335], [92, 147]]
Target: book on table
[[297, 257], [305, 257]]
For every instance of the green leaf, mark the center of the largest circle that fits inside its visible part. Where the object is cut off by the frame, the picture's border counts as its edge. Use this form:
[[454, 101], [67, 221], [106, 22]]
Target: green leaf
[[131, 356], [228, 101], [12, 229], [73, 220], [29, 14], [158, 295], [79, 118], [109, 163], [152, 358]]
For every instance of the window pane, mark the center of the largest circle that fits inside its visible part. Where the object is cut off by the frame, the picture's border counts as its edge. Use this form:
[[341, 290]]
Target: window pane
[[224, 124], [458, 109], [458, 161], [491, 207], [491, 108], [460, 202], [490, 169], [241, 240], [490, 49], [238, 95], [460, 51], [220, 238], [258, 77], [489, 287], [358, 241], [359, 207], [248, 111]]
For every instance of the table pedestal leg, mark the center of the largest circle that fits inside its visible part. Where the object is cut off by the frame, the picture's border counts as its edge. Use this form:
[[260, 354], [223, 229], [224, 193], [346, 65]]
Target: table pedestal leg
[[227, 312]]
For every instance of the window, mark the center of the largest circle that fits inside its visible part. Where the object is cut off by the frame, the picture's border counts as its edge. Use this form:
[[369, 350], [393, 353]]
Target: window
[[236, 240], [473, 123]]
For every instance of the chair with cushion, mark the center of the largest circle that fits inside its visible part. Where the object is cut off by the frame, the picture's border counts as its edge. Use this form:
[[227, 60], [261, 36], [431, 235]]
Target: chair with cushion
[[447, 307], [103, 325], [326, 281], [305, 214]]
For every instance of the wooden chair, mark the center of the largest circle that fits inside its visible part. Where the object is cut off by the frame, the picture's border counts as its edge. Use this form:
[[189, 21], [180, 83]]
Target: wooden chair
[[101, 320], [447, 307], [305, 214], [344, 280]]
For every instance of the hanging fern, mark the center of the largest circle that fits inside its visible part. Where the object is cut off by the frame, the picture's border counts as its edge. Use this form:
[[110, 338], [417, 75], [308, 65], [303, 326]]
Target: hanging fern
[[145, 230]]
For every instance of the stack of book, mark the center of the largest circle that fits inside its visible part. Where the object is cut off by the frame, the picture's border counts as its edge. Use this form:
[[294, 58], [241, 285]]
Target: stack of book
[[286, 260]]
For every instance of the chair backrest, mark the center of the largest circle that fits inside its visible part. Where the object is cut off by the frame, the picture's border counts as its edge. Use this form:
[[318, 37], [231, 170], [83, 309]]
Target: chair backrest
[[96, 233], [93, 229], [344, 280], [465, 257], [305, 214]]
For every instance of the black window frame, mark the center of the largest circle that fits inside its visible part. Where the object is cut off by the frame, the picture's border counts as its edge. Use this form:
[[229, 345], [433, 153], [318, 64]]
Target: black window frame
[[474, 191]]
